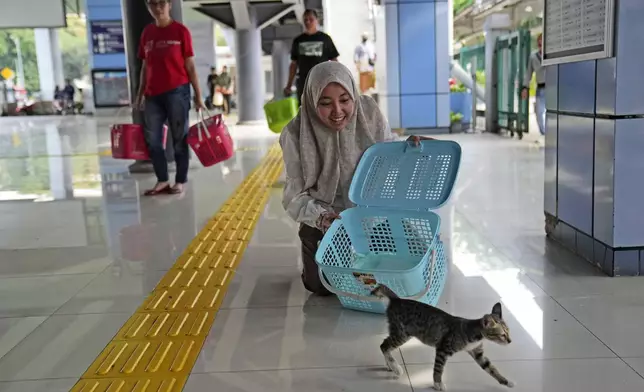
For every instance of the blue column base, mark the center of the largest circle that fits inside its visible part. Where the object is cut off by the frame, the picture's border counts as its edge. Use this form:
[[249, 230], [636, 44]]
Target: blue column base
[[611, 261], [427, 131]]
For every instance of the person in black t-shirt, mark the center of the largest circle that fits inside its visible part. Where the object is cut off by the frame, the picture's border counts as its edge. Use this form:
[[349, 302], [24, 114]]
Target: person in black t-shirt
[[309, 49]]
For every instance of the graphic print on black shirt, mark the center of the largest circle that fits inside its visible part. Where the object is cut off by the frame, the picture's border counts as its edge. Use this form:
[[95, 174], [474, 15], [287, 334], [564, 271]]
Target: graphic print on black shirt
[[311, 50]]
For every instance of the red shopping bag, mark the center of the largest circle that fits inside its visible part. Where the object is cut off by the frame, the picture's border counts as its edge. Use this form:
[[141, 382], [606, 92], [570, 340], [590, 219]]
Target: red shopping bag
[[128, 142], [210, 140]]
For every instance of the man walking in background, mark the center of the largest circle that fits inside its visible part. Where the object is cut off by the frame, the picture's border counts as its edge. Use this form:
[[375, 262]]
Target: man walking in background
[[309, 49], [69, 92], [365, 59], [535, 67]]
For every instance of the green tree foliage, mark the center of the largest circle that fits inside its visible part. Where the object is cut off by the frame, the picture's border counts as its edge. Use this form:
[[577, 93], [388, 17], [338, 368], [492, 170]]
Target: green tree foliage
[[460, 5], [8, 54], [219, 36], [73, 44]]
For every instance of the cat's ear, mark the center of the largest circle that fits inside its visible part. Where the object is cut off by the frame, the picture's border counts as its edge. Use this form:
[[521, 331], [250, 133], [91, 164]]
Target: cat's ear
[[496, 310], [488, 322]]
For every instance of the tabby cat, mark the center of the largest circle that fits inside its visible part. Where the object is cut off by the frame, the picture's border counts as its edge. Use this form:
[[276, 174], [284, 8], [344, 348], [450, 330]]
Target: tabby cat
[[448, 334]]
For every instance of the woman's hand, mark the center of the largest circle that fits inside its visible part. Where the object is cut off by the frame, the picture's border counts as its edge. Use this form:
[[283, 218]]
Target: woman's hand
[[139, 103], [199, 105], [415, 139], [326, 219]]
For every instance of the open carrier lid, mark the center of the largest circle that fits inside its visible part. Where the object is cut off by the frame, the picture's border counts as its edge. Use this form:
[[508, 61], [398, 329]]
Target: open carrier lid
[[402, 176]]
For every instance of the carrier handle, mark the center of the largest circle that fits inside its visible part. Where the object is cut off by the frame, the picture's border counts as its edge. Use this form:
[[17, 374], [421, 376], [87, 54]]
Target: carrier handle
[[410, 148], [371, 298], [120, 111], [202, 124]]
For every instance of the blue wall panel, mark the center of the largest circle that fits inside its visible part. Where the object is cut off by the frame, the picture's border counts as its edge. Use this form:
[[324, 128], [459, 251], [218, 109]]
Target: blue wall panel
[[105, 13], [630, 62], [552, 87], [418, 63], [629, 187], [575, 171], [550, 169], [418, 111], [417, 40], [604, 180], [100, 61], [606, 78], [577, 87], [99, 3]]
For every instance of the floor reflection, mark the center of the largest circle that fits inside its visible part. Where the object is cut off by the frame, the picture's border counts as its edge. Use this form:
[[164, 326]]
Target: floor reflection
[[80, 249]]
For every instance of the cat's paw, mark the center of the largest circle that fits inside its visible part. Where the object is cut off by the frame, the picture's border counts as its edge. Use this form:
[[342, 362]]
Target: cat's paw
[[395, 367], [398, 370], [509, 384], [439, 386]]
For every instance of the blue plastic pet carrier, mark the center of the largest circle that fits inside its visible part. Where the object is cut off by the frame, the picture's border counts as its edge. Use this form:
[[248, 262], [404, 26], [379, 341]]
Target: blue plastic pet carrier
[[392, 237]]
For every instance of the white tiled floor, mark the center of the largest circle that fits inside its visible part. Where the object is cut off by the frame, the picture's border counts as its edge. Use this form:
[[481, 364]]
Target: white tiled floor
[[66, 288]]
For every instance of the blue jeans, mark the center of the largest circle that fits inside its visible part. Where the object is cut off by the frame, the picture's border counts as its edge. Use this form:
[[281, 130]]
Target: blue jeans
[[172, 107], [540, 109]]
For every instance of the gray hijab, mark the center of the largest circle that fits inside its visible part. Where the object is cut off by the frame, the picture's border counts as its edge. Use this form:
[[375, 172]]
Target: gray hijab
[[328, 157]]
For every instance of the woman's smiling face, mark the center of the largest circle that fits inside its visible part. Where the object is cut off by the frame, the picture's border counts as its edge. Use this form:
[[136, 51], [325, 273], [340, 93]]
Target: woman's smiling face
[[335, 106]]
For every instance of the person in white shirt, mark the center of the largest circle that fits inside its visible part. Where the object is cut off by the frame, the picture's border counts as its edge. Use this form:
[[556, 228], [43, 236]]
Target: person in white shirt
[[365, 59]]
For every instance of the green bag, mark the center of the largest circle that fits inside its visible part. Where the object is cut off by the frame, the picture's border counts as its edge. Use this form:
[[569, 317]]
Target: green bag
[[279, 113]]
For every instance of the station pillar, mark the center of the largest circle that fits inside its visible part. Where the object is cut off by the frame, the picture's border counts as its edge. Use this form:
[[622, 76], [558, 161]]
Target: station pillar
[[593, 193], [250, 77]]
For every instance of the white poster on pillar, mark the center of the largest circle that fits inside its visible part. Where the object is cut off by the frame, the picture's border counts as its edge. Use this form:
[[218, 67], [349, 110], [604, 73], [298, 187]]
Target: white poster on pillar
[[25, 14]]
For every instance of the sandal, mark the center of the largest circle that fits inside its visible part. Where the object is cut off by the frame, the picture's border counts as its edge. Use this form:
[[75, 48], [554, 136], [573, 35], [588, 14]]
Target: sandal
[[176, 190], [157, 191]]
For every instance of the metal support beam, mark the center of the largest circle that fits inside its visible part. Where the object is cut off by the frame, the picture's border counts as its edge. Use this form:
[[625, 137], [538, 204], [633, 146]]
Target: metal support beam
[[276, 17], [240, 12], [299, 11], [287, 31]]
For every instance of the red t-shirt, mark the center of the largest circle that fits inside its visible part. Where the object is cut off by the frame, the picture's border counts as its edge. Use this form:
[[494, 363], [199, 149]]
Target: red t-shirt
[[165, 50]]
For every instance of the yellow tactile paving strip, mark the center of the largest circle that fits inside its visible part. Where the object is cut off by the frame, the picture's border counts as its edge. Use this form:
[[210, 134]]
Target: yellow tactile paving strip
[[157, 347]]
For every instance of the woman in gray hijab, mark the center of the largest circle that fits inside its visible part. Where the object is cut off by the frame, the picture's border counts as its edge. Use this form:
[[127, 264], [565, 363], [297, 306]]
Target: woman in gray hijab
[[321, 148]]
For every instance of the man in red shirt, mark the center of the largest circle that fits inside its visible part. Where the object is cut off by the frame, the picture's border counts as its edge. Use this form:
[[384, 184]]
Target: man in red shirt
[[167, 72]]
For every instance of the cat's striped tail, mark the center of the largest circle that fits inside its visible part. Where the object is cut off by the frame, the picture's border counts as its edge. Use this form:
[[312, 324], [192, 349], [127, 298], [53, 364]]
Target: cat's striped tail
[[384, 291]]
